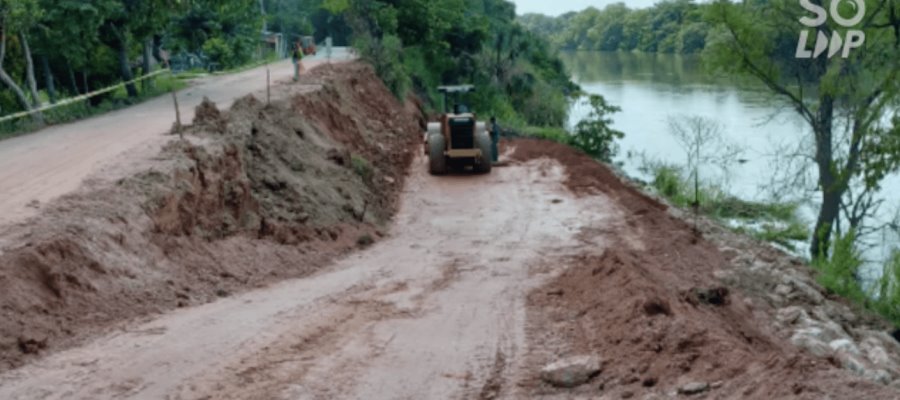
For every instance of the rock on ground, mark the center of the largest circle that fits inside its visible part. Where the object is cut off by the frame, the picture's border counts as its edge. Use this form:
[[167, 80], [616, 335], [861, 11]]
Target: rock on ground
[[571, 372]]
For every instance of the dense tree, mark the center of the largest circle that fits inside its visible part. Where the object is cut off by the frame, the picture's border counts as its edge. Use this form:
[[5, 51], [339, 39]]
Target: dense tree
[[67, 38], [418, 45], [671, 26], [293, 18], [227, 32]]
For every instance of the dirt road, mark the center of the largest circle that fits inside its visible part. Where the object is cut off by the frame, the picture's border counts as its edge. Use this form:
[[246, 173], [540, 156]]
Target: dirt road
[[39, 167], [435, 311]]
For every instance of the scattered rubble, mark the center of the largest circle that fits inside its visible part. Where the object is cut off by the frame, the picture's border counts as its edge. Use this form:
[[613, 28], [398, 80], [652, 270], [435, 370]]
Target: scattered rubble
[[693, 388], [571, 372]]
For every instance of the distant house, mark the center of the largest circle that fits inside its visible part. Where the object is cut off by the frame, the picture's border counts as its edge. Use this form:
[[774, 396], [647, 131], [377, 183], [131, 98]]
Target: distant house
[[274, 43]]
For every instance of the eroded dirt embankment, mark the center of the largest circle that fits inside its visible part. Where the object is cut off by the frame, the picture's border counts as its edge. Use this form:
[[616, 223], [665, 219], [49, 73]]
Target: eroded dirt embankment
[[253, 195], [671, 308]]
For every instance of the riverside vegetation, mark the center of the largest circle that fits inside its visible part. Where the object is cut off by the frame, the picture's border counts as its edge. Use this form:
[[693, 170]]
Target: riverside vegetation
[[851, 108]]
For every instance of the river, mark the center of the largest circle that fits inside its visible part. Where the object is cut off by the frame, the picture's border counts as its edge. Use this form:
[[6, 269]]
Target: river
[[652, 89]]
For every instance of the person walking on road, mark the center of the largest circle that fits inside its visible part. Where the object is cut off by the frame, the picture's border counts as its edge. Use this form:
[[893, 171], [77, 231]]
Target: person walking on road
[[495, 139], [297, 58]]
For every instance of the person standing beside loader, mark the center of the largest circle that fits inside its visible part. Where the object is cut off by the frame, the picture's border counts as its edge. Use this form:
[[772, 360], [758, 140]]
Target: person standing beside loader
[[495, 139]]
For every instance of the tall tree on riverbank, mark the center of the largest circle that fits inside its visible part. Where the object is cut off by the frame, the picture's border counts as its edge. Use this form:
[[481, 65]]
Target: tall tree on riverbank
[[843, 101]]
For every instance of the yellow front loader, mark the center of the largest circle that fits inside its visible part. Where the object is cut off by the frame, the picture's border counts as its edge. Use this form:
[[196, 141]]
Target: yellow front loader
[[458, 140]]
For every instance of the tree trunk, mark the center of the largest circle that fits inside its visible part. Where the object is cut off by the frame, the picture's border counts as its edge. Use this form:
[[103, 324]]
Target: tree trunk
[[84, 82], [124, 66], [72, 79], [157, 49], [148, 49], [829, 187], [262, 10], [17, 91], [48, 79], [8, 81], [825, 223], [29, 71]]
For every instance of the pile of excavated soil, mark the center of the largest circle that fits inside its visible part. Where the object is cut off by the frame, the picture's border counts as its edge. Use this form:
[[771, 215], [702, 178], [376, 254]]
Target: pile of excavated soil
[[670, 305], [253, 195]]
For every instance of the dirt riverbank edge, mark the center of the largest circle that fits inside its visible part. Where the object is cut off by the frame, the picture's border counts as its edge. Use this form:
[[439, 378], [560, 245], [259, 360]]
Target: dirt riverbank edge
[[673, 309]]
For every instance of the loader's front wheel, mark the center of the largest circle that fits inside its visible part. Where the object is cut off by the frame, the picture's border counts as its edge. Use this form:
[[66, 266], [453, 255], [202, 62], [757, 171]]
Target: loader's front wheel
[[437, 161], [484, 144]]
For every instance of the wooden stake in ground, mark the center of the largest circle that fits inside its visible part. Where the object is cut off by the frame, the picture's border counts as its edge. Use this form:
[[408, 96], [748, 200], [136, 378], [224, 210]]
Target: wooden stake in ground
[[268, 89], [362, 215], [175, 102], [177, 115]]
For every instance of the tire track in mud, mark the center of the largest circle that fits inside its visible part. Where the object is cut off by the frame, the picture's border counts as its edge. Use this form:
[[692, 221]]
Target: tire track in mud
[[494, 384], [347, 322]]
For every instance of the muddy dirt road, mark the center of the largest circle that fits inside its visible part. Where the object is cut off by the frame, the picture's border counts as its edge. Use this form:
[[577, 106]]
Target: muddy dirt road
[[39, 167], [436, 310]]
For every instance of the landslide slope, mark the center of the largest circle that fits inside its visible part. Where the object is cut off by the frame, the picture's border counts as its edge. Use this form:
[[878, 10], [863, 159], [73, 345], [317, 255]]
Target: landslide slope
[[250, 196]]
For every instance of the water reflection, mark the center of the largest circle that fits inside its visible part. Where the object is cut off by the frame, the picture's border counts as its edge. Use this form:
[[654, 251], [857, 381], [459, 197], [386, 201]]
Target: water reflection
[[652, 88], [679, 70]]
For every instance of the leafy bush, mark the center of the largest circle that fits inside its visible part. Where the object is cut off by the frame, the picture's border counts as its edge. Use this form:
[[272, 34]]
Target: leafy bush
[[219, 52], [385, 55], [594, 135], [668, 182]]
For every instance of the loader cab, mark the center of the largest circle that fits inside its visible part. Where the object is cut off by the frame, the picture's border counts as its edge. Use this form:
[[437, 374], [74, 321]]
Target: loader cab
[[460, 108]]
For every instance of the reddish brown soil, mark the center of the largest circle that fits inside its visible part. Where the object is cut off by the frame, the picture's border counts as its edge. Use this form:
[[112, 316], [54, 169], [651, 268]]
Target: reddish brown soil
[[252, 196], [652, 310]]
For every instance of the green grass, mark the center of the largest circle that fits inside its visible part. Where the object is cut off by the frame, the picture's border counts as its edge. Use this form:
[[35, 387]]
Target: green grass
[[732, 207], [773, 222], [194, 73], [362, 167], [117, 99], [839, 274], [549, 133], [888, 301]]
